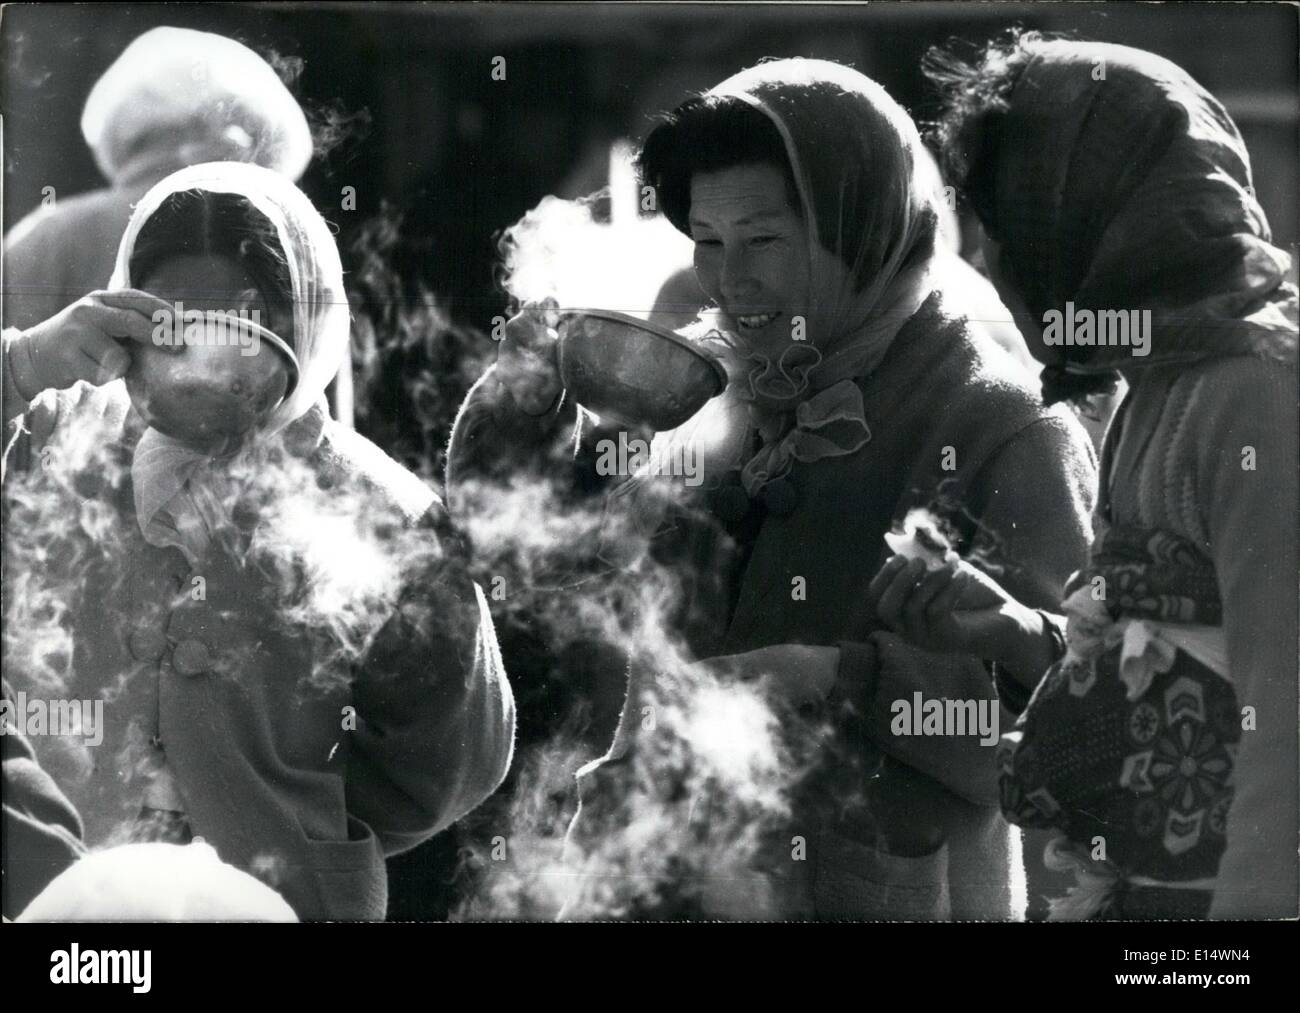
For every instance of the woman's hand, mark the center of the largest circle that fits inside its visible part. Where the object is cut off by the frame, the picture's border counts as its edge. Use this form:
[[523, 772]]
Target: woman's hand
[[528, 360], [795, 673], [88, 340], [956, 610]]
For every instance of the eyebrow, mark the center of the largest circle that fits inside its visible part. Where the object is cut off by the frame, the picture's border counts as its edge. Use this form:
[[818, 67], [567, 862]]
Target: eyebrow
[[757, 218]]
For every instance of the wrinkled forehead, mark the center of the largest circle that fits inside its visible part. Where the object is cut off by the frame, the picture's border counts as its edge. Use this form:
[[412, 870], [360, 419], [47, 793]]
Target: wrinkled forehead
[[752, 195]]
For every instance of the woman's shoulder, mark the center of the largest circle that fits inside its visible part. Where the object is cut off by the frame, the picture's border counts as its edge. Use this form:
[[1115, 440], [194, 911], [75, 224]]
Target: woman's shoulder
[[348, 455], [952, 394], [1224, 394], [68, 218], [1237, 375], [1200, 432], [957, 351], [968, 378]]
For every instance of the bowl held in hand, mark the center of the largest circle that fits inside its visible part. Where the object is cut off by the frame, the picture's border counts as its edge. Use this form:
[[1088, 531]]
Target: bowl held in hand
[[211, 394], [630, 371]]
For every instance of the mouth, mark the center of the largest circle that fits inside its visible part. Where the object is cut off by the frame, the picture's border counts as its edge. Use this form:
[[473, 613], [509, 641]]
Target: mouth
[[755, 321]]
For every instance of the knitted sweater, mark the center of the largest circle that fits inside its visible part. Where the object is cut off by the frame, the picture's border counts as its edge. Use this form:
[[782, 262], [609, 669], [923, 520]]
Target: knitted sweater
[[1210, 452]]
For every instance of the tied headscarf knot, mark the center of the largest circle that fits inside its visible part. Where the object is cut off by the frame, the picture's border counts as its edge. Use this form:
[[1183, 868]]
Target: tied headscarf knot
[[829, 424], [781, 383], [183, 497], [178, 495]]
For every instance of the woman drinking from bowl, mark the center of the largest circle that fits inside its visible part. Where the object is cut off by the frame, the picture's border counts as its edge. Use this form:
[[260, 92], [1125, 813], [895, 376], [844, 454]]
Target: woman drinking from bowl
[[1160, 748], [294, 665], [856, 393]]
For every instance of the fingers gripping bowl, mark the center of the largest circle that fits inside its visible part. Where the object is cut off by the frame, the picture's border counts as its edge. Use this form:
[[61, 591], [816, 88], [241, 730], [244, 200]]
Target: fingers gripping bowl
[[627, 370], [211, 394]]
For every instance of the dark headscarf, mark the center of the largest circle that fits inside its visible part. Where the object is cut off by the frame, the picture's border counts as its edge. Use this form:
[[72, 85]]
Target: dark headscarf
[[1121, 184]]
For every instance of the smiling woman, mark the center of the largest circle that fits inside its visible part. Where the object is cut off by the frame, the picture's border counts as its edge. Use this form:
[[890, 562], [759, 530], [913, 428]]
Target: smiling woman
[[856, 392], [751, 251], [722, 177], [749, 184]]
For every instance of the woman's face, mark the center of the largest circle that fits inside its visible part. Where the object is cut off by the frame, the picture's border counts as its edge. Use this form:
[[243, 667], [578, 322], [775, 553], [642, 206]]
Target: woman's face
[[224, 381], [752, 253]]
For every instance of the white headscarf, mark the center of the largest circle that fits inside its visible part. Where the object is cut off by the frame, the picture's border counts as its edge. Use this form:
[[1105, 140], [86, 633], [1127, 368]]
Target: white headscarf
[[174, 497], [178, 97]]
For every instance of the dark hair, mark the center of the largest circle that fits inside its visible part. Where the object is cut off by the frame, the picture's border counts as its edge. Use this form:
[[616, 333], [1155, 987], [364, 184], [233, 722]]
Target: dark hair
[[705, 134], [222, 224], [969, 132]]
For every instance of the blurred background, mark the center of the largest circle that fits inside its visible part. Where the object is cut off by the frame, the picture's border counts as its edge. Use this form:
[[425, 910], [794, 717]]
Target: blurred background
[[441, 154], [419, 122], [424, 155]]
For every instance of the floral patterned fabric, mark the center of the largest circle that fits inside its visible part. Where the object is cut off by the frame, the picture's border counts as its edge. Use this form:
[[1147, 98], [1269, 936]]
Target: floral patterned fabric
[[1127, 744]]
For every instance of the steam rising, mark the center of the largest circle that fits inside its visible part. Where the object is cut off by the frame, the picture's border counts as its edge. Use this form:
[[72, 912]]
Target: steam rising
[[333, 125], [413, 364], [560, 250], [686, 817], [331, 555], [689, 816]]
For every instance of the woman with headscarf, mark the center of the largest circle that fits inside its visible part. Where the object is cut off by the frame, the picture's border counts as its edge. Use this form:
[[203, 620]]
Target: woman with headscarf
[[855, 394], [174, 97], [1160, 747], [294, 665]]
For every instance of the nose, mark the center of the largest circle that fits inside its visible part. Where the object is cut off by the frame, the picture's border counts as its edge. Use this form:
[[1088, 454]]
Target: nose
[[736, 282]]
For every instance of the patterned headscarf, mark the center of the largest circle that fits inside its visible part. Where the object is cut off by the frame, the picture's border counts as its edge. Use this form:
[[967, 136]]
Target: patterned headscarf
[[1121, 184]]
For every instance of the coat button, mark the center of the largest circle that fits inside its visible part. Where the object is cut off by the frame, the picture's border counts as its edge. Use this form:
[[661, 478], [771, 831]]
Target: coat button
[[147, 644], [89, 484], [244, 515], [191, 657], [731, 504], [184, 617], [780, 497]]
